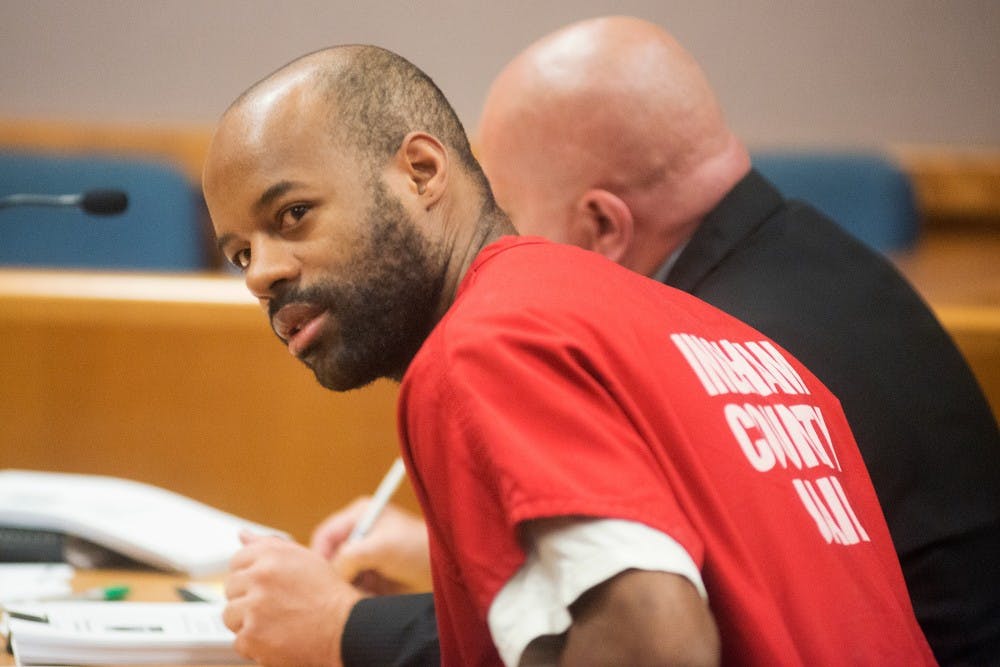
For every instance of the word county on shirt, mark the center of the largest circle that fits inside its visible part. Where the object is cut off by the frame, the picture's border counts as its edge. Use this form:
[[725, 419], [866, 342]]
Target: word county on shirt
[[776, 435]]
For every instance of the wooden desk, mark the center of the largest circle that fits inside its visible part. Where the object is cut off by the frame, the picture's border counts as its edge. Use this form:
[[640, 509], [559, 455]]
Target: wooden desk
[[144, 585], [178, 381]]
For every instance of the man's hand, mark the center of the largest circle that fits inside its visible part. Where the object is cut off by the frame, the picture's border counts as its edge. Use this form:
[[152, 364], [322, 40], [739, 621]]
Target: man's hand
[[285, 604], [392, 558]]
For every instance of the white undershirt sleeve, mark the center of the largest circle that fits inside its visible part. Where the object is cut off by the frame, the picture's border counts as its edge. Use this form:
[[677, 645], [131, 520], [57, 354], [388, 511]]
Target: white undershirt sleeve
[[565, 559]]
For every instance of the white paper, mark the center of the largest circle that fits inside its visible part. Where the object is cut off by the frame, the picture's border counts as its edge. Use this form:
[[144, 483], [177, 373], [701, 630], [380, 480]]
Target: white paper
[[89, 633], [30, 581]]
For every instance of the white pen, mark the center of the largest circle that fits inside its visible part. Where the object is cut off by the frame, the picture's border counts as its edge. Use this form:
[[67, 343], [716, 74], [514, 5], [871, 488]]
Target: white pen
[[386, 488]]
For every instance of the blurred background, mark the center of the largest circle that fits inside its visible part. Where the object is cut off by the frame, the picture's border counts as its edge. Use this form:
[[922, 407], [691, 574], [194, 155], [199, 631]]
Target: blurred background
[[816, 72], [178, 382]]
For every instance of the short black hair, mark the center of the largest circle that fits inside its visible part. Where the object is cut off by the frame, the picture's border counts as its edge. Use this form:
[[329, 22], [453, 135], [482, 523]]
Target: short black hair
[[379, 97]]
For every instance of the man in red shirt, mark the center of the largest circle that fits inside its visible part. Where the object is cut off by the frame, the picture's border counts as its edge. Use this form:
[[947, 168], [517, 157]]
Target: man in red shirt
[[676, 486], [630, 413]]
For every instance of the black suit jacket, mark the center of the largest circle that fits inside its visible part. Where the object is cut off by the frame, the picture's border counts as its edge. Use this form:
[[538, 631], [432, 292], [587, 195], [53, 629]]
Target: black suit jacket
[[923, 426]]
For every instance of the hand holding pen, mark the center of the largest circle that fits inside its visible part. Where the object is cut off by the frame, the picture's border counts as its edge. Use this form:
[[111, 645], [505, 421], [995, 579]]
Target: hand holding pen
[[379, 546]]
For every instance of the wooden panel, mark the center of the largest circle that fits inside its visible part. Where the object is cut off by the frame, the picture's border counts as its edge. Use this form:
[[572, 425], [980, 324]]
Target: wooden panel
[[179, 382], [957, 274], [954, 186], [183, 146], [955, 269], [976, 331]]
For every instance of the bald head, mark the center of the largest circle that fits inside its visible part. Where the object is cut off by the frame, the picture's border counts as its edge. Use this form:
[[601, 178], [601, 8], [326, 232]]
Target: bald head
[[614, 106], [370, 97]]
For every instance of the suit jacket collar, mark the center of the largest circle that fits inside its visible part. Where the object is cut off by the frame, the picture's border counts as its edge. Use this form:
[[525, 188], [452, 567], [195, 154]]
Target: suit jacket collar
[[740, 213]]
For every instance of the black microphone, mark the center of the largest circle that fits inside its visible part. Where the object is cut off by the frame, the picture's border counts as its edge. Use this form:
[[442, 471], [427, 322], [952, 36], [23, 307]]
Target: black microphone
[[95, 202]]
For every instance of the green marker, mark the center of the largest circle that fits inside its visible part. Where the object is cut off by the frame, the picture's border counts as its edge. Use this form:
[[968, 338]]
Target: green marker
[[107, 593], [99, 593]]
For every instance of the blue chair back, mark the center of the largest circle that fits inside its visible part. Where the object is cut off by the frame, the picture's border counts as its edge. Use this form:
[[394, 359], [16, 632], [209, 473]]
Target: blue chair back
[[163, 228], [866, 193]]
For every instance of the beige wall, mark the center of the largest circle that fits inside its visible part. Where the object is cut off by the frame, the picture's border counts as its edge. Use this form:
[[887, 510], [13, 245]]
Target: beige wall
[[849, 72]]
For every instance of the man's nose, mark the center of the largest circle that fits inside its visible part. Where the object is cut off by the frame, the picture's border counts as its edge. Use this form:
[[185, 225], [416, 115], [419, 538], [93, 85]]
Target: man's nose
[[270, 264]]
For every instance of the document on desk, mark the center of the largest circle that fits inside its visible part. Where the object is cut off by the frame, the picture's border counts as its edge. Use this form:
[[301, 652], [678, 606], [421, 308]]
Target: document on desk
[[30, 581], [116, 633], [144, 522]]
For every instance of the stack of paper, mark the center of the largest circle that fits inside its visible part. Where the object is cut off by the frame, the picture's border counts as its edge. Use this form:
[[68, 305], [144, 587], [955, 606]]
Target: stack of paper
[[109, 633]]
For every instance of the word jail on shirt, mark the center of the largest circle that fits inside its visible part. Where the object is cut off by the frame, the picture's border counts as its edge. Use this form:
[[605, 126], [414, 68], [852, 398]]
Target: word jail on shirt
[[776, 436]]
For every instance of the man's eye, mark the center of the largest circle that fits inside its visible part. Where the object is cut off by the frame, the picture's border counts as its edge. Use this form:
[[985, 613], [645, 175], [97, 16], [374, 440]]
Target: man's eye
[[293, 214], [241, 260]]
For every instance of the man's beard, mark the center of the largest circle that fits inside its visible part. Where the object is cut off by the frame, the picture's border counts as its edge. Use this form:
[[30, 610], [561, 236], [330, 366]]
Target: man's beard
[[384, 305]]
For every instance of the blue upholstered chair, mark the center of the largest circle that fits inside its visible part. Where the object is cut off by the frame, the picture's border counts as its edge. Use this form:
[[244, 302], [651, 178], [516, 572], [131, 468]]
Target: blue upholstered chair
[[866, 193], [163, 228]]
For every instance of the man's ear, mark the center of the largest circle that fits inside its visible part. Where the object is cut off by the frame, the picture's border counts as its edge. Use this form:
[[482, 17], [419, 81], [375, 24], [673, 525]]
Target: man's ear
[[424, 162], [606, 222]]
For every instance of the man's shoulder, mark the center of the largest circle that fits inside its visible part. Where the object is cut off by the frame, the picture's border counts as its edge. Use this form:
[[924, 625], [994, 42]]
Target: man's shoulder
[[521, 292], [517, 272], [798, 240]]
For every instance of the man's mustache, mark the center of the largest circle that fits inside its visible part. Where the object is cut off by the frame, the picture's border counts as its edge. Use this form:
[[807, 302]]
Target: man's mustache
[[314, 294]]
